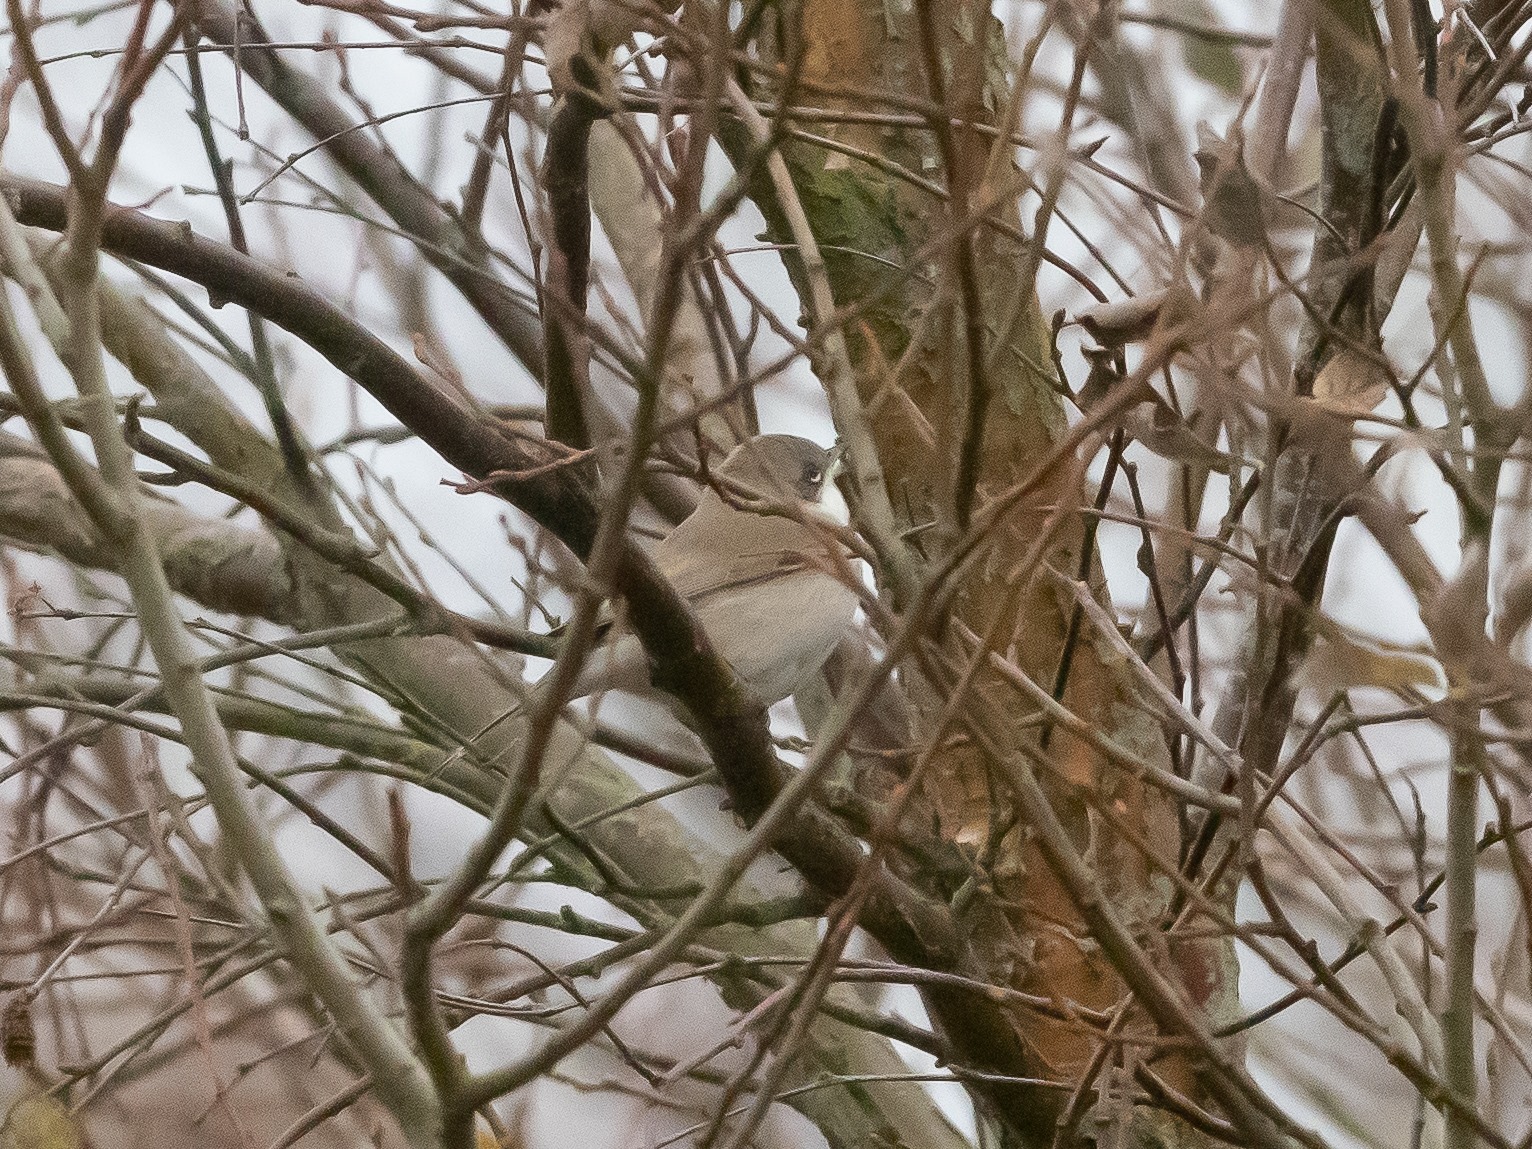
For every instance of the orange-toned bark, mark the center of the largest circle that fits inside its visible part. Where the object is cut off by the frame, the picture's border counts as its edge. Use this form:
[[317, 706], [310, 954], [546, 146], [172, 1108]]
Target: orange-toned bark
[[910, 348]]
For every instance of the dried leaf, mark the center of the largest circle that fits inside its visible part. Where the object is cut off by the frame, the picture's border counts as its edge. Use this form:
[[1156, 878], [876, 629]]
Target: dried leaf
[[1515, 607], [1454, 617], [1126, 321], [1133, 319], [17, 1036], [568, 24], [1352, 382], [1165, 432], [39, 1121], [1342, 660], [1209, 58]]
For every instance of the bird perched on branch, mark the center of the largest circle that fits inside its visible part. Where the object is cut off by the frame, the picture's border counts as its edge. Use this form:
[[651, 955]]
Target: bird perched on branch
[[767, 580]]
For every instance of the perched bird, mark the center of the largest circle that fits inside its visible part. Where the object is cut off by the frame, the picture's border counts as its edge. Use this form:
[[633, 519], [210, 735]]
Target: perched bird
[[756, 569], [1233, 200]]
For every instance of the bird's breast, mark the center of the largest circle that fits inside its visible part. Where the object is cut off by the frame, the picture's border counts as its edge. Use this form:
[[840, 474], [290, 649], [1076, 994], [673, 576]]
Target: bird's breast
[[777, 632]]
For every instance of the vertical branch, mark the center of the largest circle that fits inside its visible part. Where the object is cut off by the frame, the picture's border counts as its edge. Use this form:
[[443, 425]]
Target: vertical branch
[[1307, 484], [876, 520], [960, 166], [1432, 129], [295, 453], [496, 121], [566, 181]]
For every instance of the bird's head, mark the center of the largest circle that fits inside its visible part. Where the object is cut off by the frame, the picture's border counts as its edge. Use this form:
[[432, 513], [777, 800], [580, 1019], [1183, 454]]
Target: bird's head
[[788, 469]]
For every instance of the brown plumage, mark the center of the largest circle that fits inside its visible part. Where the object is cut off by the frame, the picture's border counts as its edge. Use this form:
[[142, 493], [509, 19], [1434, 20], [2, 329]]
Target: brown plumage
[[759, 579]]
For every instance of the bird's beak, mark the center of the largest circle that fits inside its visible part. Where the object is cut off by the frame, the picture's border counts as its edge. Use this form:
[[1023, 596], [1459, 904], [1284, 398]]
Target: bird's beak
[[837, 457]]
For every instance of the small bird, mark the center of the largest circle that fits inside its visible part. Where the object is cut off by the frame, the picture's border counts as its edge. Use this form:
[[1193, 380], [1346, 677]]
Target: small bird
[[756, 569], [1233, 199]]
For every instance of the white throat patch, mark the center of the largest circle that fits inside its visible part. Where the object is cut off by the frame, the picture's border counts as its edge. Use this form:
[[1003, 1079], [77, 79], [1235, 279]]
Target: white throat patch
[[832, 504]]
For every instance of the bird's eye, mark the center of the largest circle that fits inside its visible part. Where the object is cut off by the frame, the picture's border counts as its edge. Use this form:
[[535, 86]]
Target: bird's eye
[[813, 475]]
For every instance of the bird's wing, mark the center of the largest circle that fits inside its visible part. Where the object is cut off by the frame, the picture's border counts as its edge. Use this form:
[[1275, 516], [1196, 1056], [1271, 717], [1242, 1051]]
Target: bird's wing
[[697, 559], [705, 555], [699, 580], [701, 576]]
